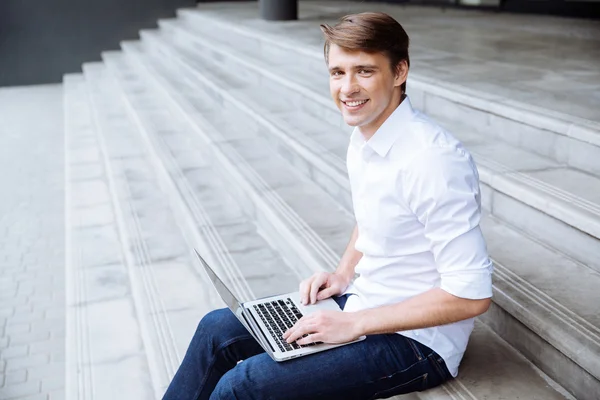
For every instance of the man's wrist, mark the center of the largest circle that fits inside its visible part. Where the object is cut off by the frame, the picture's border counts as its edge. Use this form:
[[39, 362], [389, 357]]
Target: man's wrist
[[346, 276], [360, 323]]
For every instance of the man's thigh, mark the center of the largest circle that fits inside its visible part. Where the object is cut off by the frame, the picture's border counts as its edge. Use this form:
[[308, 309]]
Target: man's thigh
[[380, 366]]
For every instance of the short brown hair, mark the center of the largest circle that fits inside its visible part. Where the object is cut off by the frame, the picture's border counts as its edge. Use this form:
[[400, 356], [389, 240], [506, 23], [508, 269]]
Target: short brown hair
[[371, 32]]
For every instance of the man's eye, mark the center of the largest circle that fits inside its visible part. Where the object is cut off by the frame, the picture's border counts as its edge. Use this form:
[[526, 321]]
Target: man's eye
[[365, 71], [336, 73]]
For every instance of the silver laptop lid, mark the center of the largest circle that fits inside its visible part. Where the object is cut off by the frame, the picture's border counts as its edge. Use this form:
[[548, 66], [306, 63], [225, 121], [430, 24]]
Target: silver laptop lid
[[229, 298]]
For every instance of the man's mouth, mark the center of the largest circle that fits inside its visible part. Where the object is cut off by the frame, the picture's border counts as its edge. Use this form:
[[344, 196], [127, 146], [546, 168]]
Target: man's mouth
[[354, 103]]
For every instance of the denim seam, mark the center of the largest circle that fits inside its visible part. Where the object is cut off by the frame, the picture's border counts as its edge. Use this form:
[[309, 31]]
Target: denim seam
[[398, 372], [433, 360], [415, 350], [216, 352], [422, 379]]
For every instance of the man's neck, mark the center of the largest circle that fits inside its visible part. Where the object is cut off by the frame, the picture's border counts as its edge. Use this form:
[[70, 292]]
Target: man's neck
[[370, 130]]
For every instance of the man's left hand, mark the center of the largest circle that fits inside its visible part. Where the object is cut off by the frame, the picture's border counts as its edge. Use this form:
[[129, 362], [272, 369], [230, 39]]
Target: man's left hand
[[324, 326]]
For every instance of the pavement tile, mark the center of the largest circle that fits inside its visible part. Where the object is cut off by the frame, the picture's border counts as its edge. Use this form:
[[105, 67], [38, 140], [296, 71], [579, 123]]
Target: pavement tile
[[51, 369], [14, 301], [56, 314], [29, 338], [56, 395], [53, 384], [15, 377], [17, 329], [27, 317], [27, 361], [7, 311], [14, 351], [47, 346], [10, 392]]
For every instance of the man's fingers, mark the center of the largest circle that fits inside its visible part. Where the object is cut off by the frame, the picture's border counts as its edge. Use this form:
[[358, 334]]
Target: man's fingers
[[311, 338], [306, 287], [316, 285], [327, 293], [297, 325], [299, 332]]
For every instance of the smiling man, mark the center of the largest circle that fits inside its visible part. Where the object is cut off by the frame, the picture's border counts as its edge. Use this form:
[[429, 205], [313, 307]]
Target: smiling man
[[424, 272]]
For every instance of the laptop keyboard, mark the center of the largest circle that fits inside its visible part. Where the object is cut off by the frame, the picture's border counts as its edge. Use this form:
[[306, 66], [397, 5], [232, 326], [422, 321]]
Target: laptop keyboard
[[278, 316]]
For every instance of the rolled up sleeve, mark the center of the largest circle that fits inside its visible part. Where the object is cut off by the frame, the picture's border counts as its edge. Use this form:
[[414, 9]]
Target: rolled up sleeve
[[441, 187]]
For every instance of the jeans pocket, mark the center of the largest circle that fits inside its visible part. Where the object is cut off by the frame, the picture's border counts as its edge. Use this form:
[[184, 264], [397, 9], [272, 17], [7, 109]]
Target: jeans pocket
[[414, 385]]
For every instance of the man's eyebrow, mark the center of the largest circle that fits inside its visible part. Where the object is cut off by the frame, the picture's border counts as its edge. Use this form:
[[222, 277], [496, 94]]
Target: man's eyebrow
[[356, 67], [366, 67]]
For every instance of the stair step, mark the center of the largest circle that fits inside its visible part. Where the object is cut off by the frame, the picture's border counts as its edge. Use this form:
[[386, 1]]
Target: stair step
[[104, 359], [491, 370], [501, 153], [510, 171]]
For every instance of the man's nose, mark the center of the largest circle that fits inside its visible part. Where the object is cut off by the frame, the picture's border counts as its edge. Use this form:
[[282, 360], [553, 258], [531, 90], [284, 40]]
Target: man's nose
[[349, 85]]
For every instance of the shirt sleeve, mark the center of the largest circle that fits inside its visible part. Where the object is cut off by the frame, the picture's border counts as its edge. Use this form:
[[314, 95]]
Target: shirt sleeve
[[441, 187]]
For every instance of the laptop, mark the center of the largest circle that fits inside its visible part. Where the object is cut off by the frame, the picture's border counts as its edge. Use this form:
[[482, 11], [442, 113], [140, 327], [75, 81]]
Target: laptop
[[268, 318]]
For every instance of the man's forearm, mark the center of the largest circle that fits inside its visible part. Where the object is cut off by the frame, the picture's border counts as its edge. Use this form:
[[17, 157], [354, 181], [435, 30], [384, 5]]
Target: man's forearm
[[432, 308], [350, 258]]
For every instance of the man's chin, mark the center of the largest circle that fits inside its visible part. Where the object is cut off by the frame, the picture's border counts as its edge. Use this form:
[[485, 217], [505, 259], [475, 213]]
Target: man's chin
[[353, 121]]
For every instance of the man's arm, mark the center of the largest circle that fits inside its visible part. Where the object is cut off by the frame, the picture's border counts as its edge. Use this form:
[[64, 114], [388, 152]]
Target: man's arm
[[432, 308], [350, 258]]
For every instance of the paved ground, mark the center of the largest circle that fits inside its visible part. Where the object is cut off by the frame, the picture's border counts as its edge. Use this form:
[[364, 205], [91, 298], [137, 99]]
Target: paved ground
[[32, 301]]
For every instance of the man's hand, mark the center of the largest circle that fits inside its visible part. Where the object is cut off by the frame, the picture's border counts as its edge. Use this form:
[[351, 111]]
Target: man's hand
[[322, 285], [324, 326]]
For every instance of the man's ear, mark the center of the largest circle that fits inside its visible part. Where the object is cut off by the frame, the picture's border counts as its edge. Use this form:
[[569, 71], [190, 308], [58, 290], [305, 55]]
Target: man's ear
[[401, 73]]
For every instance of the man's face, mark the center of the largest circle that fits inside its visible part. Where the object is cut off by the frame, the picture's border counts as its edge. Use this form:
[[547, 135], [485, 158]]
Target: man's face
[[364, 87]]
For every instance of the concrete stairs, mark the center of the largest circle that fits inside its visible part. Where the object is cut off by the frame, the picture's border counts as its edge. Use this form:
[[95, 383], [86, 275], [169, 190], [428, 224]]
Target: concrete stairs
[[213, 135]]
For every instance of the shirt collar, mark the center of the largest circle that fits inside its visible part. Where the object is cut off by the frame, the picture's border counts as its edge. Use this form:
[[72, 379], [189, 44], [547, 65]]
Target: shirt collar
[[381, 142]]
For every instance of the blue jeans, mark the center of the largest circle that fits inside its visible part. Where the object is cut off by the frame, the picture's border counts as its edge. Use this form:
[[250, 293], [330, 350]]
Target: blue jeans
[[378, 367]]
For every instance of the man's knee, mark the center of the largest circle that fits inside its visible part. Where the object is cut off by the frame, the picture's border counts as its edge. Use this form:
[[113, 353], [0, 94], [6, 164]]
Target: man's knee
[[234, 386], [214, 318], [217, 326], [249, 380]]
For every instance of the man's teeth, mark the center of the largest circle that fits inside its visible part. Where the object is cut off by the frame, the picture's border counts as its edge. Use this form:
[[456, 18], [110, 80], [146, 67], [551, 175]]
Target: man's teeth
[[356, 103]]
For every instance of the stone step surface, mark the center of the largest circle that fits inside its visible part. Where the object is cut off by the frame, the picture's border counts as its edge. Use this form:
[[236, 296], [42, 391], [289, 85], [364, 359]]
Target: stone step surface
[[530, 303], [545, 186]]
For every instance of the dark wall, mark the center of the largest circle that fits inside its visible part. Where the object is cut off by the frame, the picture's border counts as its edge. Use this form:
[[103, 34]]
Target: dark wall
[[42, 40]]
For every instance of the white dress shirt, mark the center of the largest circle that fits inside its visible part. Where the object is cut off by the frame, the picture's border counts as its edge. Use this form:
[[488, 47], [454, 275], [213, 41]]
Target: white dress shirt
[[416, 197]]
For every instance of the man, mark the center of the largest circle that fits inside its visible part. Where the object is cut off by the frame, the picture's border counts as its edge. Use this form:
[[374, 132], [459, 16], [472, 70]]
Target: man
[[423, 265]]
